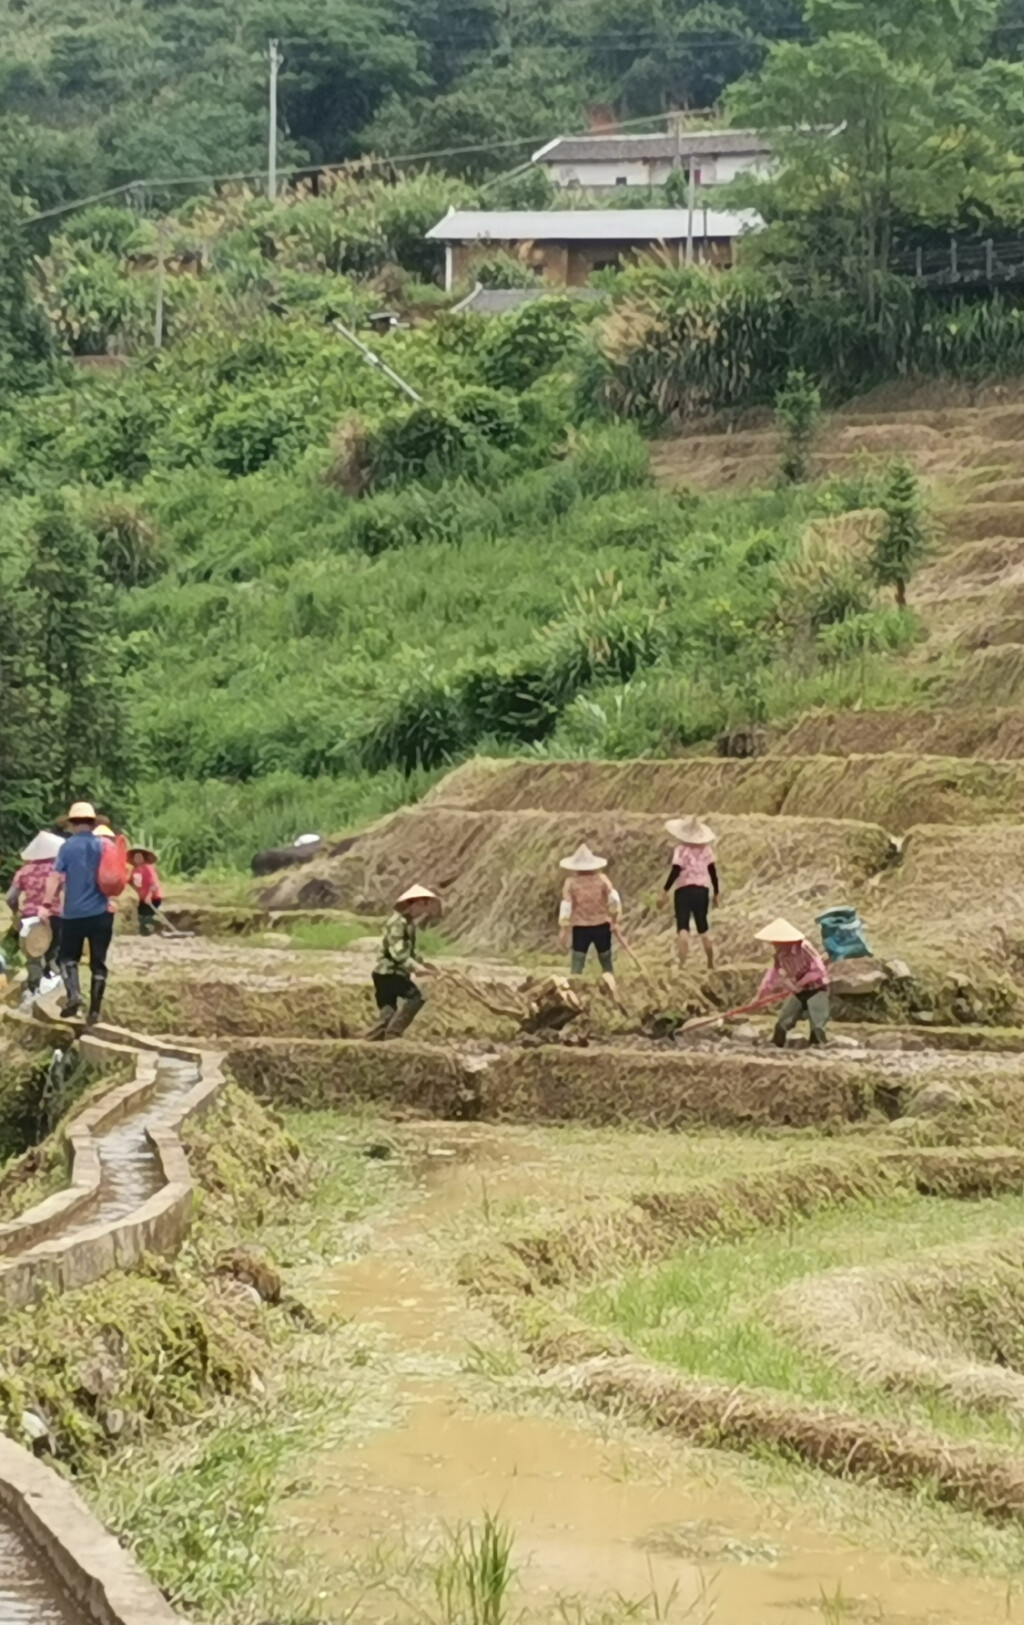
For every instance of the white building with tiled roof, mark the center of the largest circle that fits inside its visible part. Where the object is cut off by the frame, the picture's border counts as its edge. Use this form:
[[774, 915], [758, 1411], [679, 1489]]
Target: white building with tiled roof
[[601, 163]]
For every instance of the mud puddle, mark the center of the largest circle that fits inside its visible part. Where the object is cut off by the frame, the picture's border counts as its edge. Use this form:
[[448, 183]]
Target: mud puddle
[[30, 1594], [605, 1519]]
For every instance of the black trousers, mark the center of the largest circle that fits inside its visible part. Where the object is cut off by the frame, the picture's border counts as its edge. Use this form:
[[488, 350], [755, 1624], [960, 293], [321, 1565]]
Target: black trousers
[[388, 989], [96, 930]]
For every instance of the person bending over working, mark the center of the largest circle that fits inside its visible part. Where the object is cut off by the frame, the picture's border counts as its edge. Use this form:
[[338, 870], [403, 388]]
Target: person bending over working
[[87, 916], [589, 911], [799, 970], [392, 975], [694, 877], [145, 882], [25, 897]]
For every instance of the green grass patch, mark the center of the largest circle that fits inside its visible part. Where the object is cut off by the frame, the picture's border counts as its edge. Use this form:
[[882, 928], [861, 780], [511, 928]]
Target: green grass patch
[[707, 1310]]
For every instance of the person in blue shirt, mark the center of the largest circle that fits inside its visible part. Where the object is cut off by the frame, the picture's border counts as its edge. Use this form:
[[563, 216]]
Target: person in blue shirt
[[86, 916]]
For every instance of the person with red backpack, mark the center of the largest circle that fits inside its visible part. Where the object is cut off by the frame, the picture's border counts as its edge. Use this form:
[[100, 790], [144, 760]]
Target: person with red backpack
[[90, 871]]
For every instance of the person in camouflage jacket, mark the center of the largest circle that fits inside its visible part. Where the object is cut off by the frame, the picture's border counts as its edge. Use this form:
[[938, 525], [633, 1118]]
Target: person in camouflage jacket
[[399, 1000]]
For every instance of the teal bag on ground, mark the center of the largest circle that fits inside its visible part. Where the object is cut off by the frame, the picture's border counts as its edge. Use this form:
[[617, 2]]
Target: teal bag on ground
[[842, 932]]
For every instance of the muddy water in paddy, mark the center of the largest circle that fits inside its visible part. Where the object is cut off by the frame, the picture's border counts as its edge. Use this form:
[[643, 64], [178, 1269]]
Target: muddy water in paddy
[[598, 1511]]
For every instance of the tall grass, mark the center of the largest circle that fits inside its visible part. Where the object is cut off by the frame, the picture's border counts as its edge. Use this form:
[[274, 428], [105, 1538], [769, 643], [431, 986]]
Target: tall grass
[[682, 343], [474, 1574]]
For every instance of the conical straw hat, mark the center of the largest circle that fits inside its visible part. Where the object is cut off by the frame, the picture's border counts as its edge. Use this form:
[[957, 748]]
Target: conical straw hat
[[416, 893], [42, 846], [583, 861], [145, 852], [691, 831], [780, 930], [104, 830]]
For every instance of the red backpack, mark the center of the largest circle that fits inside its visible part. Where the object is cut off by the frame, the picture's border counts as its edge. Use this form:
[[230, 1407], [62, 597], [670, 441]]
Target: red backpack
[[112, 874]]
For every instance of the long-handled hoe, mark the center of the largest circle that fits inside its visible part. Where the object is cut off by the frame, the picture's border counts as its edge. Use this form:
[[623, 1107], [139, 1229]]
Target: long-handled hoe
[[697, 1022], [169, 929]]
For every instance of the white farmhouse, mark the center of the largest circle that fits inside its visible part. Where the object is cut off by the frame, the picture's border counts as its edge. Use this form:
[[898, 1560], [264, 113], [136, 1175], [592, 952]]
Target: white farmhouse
[[600, 163]]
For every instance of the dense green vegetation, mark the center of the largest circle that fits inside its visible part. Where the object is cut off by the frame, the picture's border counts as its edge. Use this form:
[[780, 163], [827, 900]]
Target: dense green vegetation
[[250, 588]]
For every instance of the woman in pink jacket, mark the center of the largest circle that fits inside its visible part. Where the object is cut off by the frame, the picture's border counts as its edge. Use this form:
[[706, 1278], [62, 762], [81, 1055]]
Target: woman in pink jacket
[[25, 898], [799, 971]]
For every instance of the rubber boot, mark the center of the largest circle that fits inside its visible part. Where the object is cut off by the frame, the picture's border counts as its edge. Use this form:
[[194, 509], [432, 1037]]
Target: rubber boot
[[72, 1005], [779, 1038], [35, 975], [96, 991], [405, 1017], [380, 1026], [818, 1036]]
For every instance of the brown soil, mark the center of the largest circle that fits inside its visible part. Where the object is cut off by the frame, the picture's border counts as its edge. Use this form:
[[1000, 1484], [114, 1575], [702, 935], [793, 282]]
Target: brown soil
[[499, 875]]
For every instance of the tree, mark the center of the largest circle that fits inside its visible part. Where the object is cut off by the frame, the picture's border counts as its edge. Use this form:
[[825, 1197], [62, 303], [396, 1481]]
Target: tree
[[903, 540], [798, 414], [887, 119], [74, 646], [25, 354], [662, 54], [24, 784]]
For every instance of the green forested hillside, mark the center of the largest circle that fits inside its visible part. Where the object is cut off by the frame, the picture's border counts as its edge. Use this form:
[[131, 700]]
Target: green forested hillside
[[250, 587], [101, 93]]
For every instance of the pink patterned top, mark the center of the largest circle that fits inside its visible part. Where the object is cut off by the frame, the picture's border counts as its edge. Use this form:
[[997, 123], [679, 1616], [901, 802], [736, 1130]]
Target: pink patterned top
[[30, 883], [797, 967], [695, 864]]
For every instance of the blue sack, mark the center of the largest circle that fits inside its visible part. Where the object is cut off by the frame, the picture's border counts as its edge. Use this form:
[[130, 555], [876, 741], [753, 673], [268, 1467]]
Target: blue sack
[[842, 932]]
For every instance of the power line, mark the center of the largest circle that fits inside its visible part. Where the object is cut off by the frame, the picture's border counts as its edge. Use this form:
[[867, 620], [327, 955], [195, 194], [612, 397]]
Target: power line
[[370, 162]]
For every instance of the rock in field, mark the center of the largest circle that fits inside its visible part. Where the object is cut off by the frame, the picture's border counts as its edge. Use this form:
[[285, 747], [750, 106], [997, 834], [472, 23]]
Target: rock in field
[[937, 1097]]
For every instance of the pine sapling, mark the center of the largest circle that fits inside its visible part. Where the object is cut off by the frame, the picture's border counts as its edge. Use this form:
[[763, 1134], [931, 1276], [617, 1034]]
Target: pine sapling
[[798, 415], [903, 540]]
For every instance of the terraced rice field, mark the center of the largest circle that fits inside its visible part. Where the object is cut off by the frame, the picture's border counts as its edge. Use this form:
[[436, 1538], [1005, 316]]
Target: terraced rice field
[[715, 1334]]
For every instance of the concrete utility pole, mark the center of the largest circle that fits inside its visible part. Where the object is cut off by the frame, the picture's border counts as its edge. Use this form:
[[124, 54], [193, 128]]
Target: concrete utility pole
[[158, 320], [275, 62], [374, 360], [691, 192]]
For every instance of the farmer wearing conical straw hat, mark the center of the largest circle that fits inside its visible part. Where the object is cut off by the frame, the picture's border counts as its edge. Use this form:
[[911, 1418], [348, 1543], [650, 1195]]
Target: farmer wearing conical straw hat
[[799, 970], [399, 1000], [145, 882], [588, 914], [693, 882], [87, 916], [39, 937]]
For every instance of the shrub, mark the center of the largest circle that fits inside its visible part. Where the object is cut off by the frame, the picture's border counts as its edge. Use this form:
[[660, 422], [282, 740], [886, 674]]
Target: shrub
[[516, 700], [495, 415], [419, 444], [798, 415], [128, 543], [903, 540], [423, 727], [407, 518], [609, 459], [504, 271], [527, 342], [878, 631], [252, 428]]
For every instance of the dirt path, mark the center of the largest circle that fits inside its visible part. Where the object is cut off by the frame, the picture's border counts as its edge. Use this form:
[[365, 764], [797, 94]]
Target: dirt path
[[600, 1514]]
